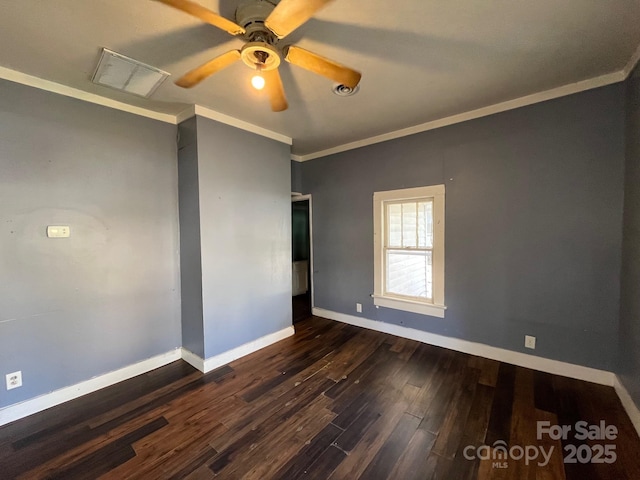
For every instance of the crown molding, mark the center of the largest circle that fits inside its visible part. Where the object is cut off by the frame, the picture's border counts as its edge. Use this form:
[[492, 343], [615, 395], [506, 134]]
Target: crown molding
[[633, 61], [241, 124], [53, 87], [49, 86], [186, 114], [192, 110], [558, 92]]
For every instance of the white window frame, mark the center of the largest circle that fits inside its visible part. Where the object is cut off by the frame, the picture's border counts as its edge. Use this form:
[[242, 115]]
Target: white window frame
[[436, 307]]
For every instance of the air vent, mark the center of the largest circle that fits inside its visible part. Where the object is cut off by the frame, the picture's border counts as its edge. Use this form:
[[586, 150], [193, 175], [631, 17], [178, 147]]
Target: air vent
[[126, 74], [344, 91]]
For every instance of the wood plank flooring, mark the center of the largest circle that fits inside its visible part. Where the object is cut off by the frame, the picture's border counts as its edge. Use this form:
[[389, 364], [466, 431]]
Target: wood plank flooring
[[332, 402]]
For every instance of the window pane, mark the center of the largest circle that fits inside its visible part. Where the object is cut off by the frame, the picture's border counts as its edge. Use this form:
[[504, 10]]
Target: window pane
[[409, 237], [394, 225], [410, 274], [425, 224]]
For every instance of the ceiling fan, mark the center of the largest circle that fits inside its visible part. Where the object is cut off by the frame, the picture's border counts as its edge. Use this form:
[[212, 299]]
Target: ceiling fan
[[262, 25]]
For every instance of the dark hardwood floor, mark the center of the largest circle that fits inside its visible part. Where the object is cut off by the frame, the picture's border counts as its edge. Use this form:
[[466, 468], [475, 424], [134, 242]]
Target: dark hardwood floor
[[333, 401], [301, 307]]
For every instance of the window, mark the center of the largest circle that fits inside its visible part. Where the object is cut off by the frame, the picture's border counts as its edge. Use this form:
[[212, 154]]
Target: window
[[409, 249]]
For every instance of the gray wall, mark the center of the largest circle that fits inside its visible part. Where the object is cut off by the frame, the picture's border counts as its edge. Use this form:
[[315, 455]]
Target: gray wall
[[108, 296], [533, 225], [245, 233], [296, 176], [190, 258], [629, 367]]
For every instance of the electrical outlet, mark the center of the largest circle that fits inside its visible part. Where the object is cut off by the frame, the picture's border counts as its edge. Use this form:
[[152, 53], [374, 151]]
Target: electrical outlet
[[530, 342], [14, 380], [359, 307]]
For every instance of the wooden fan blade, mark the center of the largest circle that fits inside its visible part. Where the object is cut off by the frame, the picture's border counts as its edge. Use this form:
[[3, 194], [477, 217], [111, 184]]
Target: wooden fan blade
[[322, 66], [290, 14], [196, 75], [205, 15], [275, 89]]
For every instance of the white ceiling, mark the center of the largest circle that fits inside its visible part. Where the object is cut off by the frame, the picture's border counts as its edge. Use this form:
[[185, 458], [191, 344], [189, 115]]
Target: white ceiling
[[421, 60]]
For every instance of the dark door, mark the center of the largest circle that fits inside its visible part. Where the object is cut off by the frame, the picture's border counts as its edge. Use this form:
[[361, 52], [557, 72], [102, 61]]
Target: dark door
[[301, 258]]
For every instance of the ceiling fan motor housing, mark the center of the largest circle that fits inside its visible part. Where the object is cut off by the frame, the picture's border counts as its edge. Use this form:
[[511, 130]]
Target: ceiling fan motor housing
[[251, 15], [259, 52]]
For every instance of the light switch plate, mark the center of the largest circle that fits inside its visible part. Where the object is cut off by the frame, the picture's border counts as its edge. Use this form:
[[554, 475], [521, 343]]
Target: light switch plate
[[58, 231]]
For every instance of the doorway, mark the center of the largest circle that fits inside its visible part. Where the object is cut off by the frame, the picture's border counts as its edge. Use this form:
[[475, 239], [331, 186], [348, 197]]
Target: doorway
[[301, 253]]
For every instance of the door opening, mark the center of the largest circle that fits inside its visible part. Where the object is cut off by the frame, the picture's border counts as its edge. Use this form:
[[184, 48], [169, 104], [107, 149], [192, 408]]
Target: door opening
[[301, 258]]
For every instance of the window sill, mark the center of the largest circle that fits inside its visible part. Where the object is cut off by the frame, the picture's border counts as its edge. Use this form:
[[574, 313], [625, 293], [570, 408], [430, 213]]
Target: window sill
[[409, 306]]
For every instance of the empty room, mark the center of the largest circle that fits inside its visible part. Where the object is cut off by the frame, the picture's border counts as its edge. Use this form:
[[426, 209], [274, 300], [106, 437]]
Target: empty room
[[316, 239]]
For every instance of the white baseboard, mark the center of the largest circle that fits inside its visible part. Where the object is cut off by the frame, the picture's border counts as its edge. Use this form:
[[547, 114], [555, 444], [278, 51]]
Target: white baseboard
[[211, 363], [192, 359], [494, 353], [37, 404], [628, 403], [556, 367]]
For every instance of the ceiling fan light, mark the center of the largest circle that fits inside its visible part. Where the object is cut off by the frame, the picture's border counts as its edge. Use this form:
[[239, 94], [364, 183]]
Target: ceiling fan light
[[258, 82]]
